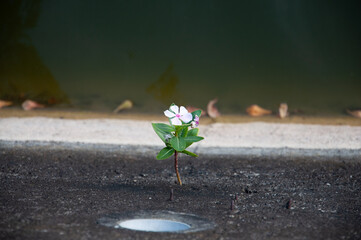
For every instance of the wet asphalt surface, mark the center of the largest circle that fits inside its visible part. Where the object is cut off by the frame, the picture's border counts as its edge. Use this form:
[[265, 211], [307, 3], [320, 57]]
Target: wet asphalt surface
[[60, 194]]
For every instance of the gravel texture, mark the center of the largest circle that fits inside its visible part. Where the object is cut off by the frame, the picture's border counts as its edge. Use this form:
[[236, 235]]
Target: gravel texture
[[61, 194]]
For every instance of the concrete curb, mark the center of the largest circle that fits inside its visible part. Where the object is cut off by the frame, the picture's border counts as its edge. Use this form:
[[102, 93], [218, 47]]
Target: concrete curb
[[137, 138]]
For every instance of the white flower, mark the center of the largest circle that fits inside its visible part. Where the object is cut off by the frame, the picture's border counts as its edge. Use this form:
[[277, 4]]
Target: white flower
[[177, 114]]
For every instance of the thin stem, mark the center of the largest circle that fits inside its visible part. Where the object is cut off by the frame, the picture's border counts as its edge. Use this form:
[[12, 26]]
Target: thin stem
[[176, 167]]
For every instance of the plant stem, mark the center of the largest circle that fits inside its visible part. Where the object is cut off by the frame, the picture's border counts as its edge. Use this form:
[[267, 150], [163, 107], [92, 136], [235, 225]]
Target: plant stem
[[176, 167]]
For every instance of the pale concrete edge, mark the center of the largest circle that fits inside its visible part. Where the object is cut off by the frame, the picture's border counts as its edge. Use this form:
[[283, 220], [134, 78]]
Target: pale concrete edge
[[338, 155]]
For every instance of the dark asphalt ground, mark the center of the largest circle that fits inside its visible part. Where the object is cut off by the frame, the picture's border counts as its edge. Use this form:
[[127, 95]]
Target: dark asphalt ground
[[60, 194]]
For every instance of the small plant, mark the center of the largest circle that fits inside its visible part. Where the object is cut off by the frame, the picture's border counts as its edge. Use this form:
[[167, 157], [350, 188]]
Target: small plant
[[177, 136]]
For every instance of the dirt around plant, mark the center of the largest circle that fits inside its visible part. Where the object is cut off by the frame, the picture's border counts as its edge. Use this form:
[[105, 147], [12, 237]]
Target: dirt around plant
[[60, 194]]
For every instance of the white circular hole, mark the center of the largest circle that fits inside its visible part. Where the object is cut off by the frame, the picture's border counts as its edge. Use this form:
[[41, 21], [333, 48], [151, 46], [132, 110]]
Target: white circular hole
[[154, 225]]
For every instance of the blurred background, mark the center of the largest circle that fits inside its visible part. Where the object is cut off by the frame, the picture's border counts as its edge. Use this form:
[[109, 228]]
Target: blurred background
[[93, 54]]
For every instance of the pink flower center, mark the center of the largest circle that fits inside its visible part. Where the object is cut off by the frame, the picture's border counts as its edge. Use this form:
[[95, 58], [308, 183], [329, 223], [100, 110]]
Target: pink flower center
[[177, 115]]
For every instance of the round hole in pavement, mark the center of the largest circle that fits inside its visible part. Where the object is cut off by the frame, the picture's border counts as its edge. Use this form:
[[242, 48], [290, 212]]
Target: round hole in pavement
[[154, 225], [156, 221]]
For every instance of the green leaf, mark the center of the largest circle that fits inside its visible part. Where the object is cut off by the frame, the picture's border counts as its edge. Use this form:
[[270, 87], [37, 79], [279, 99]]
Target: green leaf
[[163, 127], [165, 153], [162, 130], [197, 112], [193, 138], [179, 129], [183, 132], [189, 153], [193, 132], [178, 143]]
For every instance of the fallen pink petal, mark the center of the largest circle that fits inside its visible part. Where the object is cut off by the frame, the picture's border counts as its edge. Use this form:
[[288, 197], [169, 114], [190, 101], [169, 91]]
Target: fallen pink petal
[[30, 105]]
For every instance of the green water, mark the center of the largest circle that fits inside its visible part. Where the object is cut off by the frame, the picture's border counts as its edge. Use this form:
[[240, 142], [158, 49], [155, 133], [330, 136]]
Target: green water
[[92, 54]]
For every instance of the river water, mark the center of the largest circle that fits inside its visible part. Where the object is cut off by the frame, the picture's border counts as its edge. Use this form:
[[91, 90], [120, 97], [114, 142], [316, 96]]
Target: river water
[[93, 54]]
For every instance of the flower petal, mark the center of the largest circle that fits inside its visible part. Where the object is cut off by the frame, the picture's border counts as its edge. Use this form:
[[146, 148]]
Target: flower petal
[[169, 114], [183, 110], [187, 117], [175, 109], [176, 121]]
